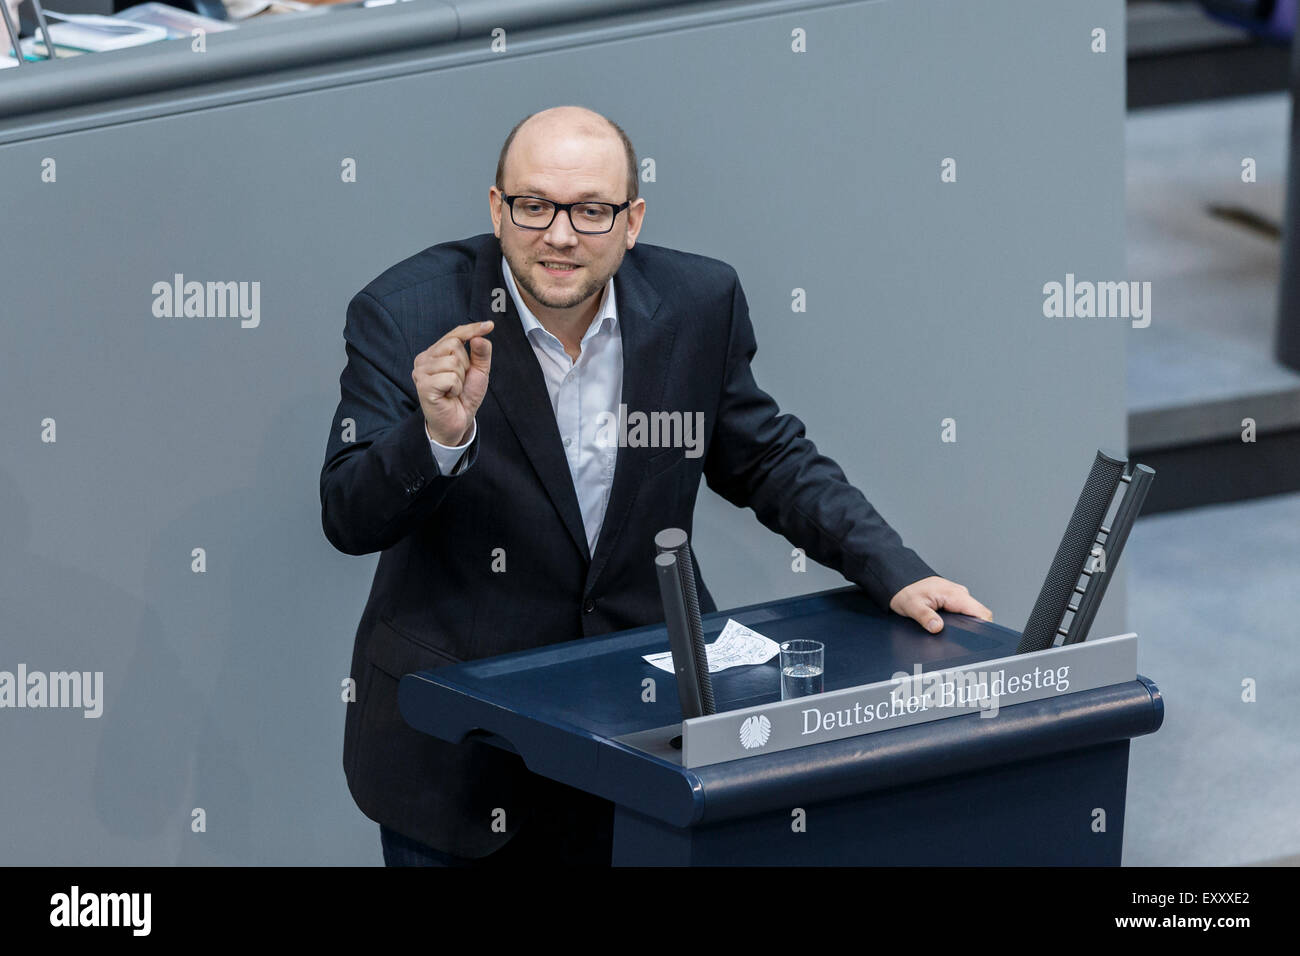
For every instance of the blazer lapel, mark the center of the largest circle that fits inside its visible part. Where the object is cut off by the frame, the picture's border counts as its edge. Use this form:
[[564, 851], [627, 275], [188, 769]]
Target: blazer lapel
[[647, 345], [516, 384]]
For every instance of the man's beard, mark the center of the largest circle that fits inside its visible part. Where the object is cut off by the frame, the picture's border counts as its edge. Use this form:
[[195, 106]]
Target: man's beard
[[564, 299]]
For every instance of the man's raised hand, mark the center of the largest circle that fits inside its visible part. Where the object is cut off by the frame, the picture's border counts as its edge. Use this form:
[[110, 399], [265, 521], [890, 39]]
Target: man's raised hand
[[451, 381]]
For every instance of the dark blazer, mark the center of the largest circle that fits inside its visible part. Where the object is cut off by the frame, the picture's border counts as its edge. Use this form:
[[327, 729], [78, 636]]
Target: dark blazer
[[436, 599]]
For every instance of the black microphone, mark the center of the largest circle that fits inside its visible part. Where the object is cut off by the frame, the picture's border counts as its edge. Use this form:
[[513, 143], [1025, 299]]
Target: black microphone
[[676, 572]]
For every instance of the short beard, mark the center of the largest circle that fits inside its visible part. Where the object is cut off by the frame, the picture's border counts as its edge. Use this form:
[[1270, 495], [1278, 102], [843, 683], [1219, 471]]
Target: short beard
[[569, 300]]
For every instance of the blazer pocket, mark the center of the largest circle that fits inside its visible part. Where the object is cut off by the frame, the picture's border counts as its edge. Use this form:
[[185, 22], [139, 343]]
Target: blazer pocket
[[397, 653]]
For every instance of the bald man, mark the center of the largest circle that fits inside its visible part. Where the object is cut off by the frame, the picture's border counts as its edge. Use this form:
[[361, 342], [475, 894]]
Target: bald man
[[471, 448]]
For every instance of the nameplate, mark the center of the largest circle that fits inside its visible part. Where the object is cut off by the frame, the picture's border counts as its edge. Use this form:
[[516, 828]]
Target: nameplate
[[982, 687]]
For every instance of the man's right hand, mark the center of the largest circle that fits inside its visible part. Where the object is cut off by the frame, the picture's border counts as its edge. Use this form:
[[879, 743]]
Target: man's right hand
[[451, 381]]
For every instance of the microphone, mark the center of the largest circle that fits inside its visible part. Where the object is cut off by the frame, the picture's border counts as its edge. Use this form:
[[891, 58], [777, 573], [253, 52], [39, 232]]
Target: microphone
[[675, 569]]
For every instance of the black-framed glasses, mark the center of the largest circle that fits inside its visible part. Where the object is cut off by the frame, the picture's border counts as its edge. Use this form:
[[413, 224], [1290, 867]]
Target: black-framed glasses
[[588, 218]]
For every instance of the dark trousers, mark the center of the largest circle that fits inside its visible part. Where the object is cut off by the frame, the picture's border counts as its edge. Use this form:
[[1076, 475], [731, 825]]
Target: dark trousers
[[568, 827]]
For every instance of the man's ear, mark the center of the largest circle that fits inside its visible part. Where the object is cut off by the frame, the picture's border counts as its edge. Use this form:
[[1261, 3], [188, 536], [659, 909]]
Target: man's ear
[[494, 211], [634, 230]]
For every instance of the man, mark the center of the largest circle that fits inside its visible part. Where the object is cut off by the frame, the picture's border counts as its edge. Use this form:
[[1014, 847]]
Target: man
[[467, 448]]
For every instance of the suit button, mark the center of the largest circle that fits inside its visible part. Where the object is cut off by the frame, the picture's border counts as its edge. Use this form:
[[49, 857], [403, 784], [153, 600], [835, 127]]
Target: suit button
[[589, 606]]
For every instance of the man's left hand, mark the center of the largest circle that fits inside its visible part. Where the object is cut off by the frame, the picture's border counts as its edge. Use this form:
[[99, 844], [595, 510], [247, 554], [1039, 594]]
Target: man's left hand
[[920, 599]]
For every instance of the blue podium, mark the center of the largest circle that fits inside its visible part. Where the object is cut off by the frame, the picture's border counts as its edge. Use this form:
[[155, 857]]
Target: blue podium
[[1041, 784]]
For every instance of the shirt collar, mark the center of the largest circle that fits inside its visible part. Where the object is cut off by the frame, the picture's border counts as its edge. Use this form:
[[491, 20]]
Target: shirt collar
[[608, 314]]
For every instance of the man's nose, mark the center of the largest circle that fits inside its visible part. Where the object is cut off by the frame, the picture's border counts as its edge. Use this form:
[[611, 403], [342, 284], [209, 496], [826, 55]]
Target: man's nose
[[561, 232]]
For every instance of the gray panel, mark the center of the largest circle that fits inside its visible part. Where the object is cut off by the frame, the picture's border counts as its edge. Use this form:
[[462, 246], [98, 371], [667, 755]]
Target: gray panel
[[222, 689], [982, 687]]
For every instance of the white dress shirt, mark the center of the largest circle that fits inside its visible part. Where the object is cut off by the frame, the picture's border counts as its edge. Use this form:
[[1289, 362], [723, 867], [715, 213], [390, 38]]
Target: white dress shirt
[[580, 391]]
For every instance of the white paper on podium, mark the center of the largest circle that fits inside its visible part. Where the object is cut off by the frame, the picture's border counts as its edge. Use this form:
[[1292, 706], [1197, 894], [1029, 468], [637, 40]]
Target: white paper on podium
[[736, 646]]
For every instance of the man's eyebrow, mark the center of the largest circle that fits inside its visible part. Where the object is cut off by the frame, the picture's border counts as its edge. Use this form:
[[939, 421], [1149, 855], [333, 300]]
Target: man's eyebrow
[[540, 194]]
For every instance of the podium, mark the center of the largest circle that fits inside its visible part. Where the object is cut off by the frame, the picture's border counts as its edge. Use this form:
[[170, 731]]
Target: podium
[[1042, 783]]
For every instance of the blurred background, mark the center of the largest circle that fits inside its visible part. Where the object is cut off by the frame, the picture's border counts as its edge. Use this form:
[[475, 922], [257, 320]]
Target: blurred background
[[1215, 565]]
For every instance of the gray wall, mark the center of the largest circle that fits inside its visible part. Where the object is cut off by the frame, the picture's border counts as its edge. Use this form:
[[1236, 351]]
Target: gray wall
[[222, 688]]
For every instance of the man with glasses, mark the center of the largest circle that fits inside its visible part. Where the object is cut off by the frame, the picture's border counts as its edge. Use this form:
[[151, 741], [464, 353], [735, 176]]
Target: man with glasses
[[469, 448]]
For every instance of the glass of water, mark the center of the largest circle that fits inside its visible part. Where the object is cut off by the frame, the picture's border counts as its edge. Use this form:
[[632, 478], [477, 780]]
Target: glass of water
[[801, 668]]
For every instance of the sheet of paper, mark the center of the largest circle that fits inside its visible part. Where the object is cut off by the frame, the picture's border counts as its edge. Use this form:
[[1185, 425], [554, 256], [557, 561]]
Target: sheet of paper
[[736, 646]]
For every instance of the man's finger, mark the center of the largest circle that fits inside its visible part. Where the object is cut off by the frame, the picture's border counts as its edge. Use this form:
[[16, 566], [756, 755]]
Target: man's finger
[[480, 354], [467, 331], [443, 363], [919, 610], [962, 602], [975, 609], [444, 348], [457, 337], [444, 384]]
